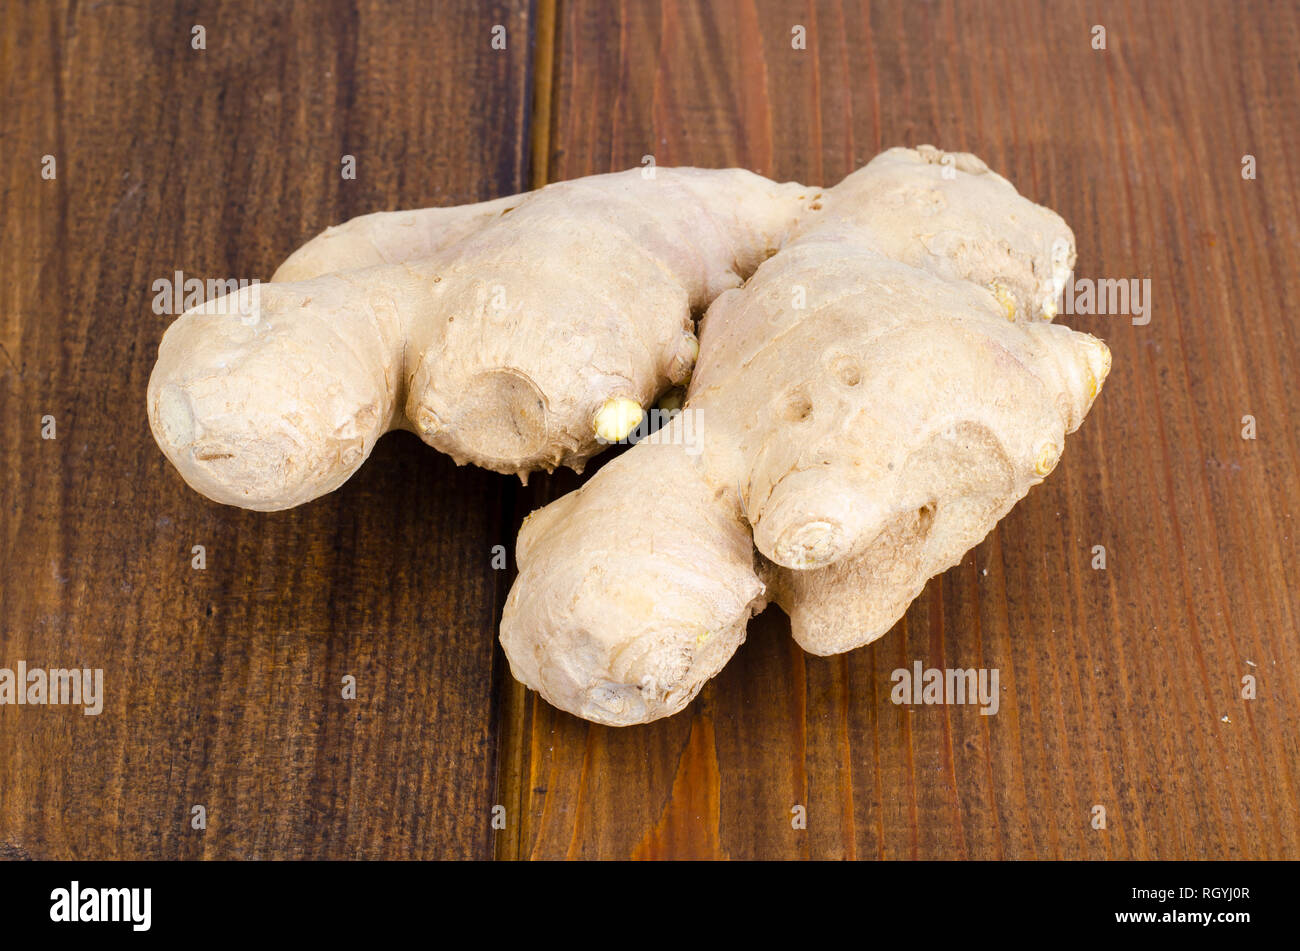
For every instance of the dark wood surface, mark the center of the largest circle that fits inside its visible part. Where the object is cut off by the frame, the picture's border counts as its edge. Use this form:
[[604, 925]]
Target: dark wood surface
[[1121, 687], [224, 686]]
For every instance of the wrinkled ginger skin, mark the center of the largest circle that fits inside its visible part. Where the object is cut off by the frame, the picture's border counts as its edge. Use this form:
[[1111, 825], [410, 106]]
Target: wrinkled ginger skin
[[875, 373], [278, 404], [868, 405], [948, 213], [389, 237], [611, 617], [582, 295], [874, 386], [498, 332]]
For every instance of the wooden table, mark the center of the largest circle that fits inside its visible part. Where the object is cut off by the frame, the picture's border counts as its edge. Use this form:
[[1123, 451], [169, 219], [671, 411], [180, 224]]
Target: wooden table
[[223, 685]]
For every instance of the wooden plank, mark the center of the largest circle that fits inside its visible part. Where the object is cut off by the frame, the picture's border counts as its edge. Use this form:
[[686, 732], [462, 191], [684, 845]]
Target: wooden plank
[[223, 686], [1121, 687]]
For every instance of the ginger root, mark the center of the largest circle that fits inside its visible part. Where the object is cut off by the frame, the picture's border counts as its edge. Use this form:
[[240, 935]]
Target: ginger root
[[518, 334], [865, 409], [876, 382]]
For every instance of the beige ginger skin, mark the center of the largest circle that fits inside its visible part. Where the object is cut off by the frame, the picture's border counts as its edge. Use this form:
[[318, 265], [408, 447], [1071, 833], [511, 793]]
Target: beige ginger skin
[[512, 334], [864, 410], [875, 385]]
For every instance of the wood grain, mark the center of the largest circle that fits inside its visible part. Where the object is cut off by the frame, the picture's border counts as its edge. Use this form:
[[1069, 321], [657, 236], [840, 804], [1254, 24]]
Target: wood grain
[[224, 686], [1120, 686]]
